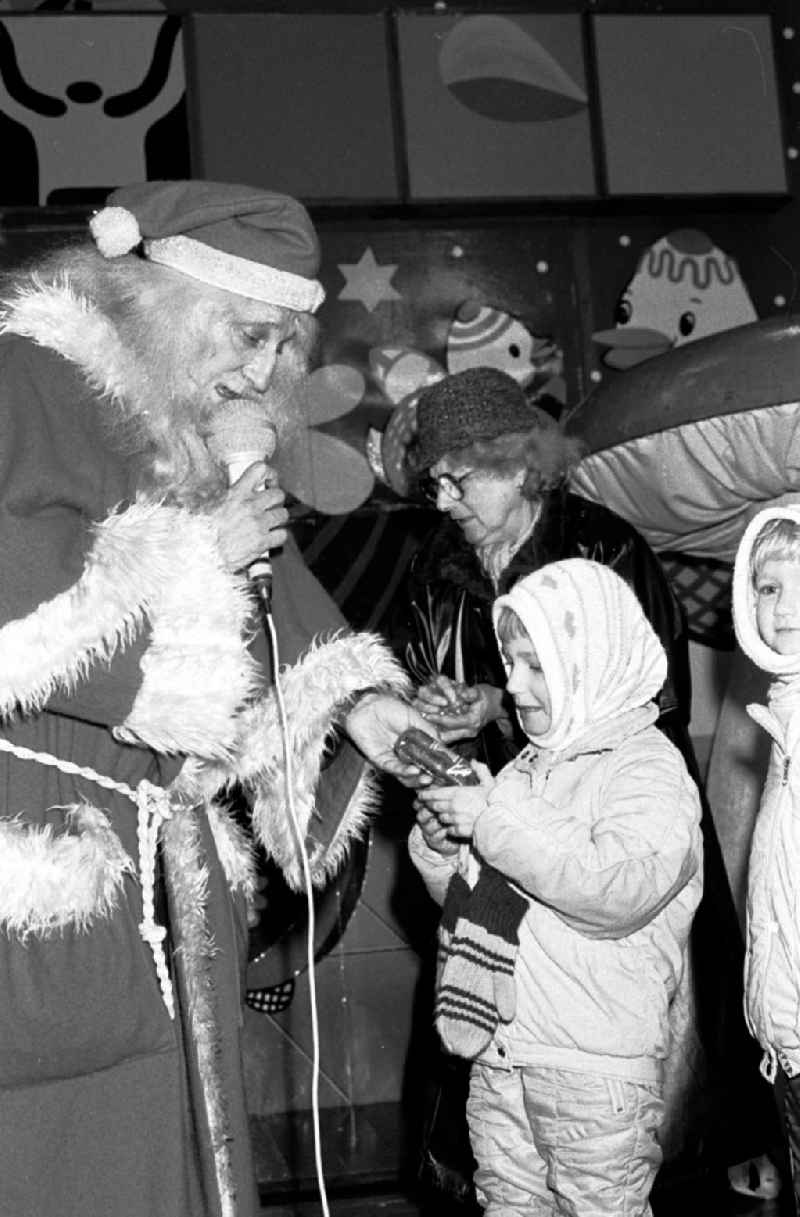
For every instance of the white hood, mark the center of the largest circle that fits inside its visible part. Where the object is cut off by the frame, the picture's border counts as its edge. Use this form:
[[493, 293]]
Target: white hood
[[744, 598], [599, 654]]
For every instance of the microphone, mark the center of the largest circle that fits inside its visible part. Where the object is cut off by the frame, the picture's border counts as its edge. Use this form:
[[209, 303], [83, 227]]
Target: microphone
[[239, 436]]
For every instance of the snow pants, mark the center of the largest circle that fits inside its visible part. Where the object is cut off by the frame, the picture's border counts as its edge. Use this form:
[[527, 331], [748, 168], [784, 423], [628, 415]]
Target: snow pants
[[558, 1143]]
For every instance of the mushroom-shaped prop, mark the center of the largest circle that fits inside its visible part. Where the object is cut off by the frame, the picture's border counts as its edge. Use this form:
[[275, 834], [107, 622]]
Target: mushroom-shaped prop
[[688, 446]]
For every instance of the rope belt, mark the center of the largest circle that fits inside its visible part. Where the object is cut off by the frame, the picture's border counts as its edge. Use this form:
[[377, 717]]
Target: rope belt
[[153, 808]]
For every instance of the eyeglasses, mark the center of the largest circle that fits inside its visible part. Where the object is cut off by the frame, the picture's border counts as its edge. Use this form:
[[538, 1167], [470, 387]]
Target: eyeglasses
[[452, 486]]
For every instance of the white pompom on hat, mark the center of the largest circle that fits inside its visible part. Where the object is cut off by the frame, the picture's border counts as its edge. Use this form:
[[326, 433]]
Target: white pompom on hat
[[253, 242], [115, 231]]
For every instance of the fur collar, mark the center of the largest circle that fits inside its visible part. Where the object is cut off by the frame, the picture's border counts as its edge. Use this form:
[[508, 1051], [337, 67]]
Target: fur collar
[[446, 557], [313, 690], [197, 666], [54, 315]]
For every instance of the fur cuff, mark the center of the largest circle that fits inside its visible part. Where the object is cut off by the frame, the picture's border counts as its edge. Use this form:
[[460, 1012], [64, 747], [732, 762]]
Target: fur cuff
[[187, 888], [313, 690], [50, 881], [142, 566], [233, 850]]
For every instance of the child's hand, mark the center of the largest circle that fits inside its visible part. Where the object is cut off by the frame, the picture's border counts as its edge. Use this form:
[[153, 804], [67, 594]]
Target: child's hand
[[435, 835], [457, 807]]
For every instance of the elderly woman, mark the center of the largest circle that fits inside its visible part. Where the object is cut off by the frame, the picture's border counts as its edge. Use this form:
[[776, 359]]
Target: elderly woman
[[497, 469]]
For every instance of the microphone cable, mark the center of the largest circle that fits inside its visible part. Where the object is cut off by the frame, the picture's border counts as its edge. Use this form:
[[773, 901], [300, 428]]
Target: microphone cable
[[264, 598], [241, 436]]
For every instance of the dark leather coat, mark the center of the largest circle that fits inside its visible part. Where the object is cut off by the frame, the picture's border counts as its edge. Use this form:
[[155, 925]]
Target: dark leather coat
[[446, 626]]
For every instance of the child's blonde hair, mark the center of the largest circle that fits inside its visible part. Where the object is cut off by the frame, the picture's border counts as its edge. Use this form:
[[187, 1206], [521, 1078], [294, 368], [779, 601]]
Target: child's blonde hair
[[509, 626], [778, 539]]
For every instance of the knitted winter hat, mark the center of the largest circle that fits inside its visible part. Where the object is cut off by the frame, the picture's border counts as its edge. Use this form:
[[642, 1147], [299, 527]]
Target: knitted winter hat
[[479, 403], [600, 656], [253, 242]]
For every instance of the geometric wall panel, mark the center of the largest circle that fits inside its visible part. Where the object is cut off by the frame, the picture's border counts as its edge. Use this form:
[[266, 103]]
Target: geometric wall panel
[[88, 102], [689, 104], [495, 107], [298, 103]]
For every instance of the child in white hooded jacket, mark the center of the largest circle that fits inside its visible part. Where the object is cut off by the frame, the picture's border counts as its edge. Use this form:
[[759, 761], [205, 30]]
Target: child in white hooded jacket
[[569, 883], [766, 613]]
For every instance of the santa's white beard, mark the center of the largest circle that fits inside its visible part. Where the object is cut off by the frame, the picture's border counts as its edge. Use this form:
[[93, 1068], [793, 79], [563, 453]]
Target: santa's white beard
[[170, 414], [177, 465]]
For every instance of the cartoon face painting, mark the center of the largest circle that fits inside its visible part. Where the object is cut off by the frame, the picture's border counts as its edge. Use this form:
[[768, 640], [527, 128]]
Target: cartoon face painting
[[481, 336], [684, 288]]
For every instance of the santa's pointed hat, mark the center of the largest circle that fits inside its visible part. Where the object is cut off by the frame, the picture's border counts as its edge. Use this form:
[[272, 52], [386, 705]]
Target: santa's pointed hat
[[253, 242]]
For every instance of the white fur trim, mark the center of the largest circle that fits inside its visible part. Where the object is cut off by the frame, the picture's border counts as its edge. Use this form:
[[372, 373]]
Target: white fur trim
[[187, 887], [142, 565], [197, 672], [55, 316], [325, 862], [233, 850], [234, 274], [49, 881], [313, 688], [115, 231]]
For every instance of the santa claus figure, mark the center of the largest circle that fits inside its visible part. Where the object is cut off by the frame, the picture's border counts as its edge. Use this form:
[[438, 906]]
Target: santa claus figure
[[136, 686]]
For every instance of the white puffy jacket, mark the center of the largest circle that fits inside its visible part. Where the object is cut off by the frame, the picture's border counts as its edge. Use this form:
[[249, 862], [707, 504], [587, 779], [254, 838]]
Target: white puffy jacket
[[772, 963], [598, 822], [607, 845]]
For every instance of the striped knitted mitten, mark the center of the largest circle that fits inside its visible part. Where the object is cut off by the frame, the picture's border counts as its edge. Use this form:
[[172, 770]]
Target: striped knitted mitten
[[476, 988], [455, 903]]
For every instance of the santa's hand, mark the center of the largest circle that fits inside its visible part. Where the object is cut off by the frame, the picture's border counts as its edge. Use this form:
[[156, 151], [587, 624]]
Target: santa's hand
[[434, 834], [251, 518], [375, 723]]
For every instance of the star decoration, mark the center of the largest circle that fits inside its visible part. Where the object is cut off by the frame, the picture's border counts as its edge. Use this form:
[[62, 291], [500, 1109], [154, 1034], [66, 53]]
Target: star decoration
[[368, 282]]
